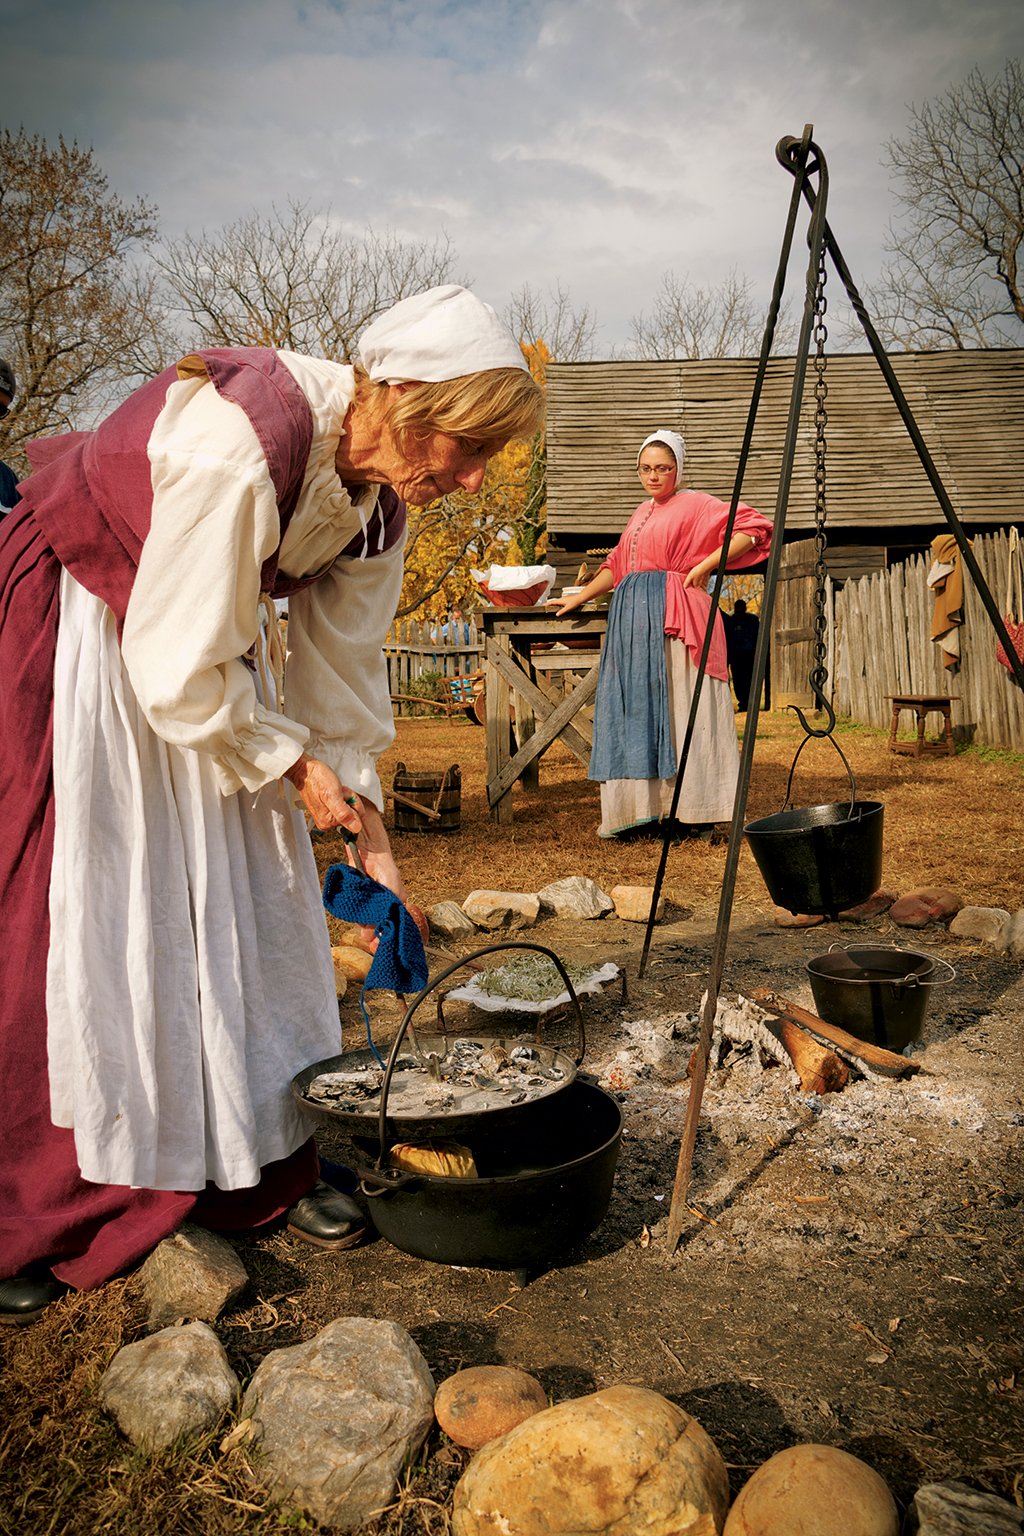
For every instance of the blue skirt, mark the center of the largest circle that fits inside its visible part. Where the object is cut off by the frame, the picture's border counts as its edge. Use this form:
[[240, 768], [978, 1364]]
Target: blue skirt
[[632, 730]]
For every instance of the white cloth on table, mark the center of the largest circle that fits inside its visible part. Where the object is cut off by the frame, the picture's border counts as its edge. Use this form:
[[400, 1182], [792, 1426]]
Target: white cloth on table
[[176, 852], [712, 769]]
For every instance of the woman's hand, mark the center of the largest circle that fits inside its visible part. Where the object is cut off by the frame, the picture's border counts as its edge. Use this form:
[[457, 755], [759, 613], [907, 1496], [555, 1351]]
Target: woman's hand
[[701, 574], [565, 604], [603, 582], [332, 804], [328, 801]]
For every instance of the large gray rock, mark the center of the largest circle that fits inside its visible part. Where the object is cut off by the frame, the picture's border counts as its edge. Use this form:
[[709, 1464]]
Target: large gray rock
[[334, 1419], [623, 1461], [502, 909], [1015, 937], [449, 921], [175, 1384], [191, 1274], [575, 897], [953, 1509], [990, 925]]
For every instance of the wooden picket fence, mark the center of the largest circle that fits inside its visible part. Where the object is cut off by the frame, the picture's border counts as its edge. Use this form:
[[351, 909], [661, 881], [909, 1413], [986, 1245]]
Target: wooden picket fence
[[883, 646], [414, 648], [879, 645]]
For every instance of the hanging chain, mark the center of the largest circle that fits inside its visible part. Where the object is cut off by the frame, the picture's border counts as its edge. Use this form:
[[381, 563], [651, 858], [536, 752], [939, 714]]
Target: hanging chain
[[818, 677], [819, 671]]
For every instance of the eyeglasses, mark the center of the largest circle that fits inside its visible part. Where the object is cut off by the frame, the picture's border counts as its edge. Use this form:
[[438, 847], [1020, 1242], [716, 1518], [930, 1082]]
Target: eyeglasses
[[656, 469]]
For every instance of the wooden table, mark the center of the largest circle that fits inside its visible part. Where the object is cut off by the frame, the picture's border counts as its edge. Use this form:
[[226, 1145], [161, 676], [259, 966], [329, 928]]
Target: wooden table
[[548, 696], [923, 704]]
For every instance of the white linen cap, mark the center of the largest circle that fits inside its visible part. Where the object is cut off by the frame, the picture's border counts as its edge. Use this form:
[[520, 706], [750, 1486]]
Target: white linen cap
[[443, 333], [670, 440]]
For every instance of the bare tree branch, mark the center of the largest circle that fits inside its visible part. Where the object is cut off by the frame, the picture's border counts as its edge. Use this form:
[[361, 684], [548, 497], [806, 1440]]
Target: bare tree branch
[[567, 332], [73, 316], [955, 278], [723, 320], [290, 279]]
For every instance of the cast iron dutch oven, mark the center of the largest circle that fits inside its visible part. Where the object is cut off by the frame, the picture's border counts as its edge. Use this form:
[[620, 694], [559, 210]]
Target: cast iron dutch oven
[[545, 1169]]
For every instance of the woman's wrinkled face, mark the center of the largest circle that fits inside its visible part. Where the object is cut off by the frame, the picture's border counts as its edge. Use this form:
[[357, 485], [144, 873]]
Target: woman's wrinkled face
[[657, 471], [436, 465]]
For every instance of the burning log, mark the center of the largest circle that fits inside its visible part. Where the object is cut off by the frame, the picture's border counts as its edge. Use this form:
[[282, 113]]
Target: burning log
[[818, 1069], [871, 1059]]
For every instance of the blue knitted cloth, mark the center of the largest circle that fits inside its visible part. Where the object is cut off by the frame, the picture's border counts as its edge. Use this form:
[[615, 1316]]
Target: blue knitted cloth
[[399, 964]]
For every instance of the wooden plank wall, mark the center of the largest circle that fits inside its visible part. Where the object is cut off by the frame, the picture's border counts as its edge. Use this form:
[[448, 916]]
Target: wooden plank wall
[[792, 650], [968, 405], [883, 628]]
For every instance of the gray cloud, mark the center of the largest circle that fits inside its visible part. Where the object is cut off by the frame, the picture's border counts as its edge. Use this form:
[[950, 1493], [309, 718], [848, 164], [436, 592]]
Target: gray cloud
[[596, 142]]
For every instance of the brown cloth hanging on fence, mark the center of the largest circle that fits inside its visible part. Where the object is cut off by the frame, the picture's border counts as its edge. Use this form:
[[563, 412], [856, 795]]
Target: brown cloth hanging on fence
[[946, 578]]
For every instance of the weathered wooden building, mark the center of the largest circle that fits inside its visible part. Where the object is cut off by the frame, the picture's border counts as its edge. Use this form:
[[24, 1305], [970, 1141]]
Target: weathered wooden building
[[882, 510]]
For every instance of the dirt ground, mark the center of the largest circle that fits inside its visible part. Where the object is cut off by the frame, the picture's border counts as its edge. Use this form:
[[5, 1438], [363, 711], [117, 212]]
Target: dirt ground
[[850, 1269]]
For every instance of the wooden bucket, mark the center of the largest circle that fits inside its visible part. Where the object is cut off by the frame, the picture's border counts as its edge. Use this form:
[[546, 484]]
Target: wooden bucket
[[440, 794]]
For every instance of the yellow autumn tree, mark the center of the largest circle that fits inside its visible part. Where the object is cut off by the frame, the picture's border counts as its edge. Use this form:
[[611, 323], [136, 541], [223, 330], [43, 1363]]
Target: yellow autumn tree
[[502, 525]]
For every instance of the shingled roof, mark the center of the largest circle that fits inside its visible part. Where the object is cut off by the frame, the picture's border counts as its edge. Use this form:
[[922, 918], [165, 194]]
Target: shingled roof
[[969, 407]]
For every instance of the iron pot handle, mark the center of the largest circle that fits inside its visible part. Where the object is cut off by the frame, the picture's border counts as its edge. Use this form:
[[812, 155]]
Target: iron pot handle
[[431, 986]]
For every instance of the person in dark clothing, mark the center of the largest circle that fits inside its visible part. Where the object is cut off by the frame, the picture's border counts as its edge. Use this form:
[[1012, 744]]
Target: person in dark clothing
[[741, 630], [9, 497]]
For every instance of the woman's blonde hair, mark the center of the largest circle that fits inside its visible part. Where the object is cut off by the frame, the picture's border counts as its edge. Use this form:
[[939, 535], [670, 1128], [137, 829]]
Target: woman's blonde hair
[[485, 409]]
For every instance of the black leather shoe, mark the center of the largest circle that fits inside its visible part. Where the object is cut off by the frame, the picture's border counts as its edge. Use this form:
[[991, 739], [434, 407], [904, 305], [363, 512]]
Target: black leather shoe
[[24, 1298], [327, 1218]]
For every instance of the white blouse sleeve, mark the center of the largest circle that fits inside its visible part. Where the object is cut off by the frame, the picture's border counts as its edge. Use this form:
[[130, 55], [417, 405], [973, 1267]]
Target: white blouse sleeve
[[193, 612], [337, 677]]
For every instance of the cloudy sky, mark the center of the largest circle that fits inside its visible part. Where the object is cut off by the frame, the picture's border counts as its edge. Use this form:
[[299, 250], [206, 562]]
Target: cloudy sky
[[591, 143]]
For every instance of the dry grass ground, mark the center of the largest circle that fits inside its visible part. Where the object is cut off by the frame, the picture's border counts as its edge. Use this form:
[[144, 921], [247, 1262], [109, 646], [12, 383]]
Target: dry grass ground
[[948, 821], [64, 1468]]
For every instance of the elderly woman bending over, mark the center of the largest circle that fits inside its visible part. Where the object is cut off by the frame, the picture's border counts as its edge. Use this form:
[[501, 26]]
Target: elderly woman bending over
[[659, 573], [166, 969]]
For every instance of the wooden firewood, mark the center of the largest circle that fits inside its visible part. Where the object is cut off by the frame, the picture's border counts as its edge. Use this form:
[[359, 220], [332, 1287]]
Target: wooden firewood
[[874, 1057], [820, 1070]]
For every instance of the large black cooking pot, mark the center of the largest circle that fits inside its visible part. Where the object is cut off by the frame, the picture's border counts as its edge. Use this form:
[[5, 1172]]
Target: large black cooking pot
[[545, 1168], [821, 858], [543, 1187]]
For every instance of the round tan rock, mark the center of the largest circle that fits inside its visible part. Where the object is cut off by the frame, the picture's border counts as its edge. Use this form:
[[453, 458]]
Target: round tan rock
[[623, 1461], [814, 1490], [485, 1401], [350, 962]]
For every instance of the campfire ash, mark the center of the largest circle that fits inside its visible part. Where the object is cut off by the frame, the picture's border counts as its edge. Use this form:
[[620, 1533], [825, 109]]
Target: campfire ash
[[814, 1056], [464, 1076]]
